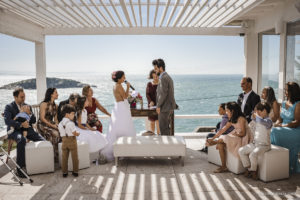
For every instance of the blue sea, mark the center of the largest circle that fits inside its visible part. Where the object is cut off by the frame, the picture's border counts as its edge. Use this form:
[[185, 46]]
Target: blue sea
[[195, 94]]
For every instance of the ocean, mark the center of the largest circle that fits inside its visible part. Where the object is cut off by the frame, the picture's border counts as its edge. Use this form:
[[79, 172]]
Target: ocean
[[195, 94]]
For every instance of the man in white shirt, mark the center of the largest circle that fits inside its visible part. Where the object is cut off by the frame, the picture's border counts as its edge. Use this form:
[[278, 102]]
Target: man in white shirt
[[248, 99]]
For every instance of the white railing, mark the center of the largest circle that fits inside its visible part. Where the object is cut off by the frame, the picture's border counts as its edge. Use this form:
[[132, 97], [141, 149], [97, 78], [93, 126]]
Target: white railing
[[199, 116]]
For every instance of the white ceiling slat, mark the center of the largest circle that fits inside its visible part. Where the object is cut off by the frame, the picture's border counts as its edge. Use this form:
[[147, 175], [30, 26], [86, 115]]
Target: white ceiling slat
[[117, 13], [101, 13], [108, 12], [41, 14], [196, 14], [27, 13], [72, 22], [228, 12], [133, 13], [247, 6], [211, 14], [221, 11], [181, 13], [90, 22], [92, 12], [203, 14], [73, 17], [19, 13], [140, 13], [125, 11], [172, 12], [65, 23], [156, 11], [164, 13], [190, 12]]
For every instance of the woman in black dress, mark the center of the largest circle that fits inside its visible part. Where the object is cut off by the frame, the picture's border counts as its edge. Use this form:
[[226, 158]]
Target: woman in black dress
[[151, 97]]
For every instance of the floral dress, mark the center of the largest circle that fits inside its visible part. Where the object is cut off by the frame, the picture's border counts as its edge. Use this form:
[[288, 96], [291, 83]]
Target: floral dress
[[49, 133], [93, 120]]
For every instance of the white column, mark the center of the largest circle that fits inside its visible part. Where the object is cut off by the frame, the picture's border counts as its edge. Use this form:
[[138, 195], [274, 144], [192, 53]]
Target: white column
[[282, 62], [251, 51], [40, 63]]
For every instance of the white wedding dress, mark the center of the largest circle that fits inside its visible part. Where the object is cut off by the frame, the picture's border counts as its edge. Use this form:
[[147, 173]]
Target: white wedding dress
[[95, 139], [121, 124]]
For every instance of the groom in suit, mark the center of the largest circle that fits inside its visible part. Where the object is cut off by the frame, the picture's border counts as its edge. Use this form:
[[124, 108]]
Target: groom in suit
[[10, 111], [248, 99], [165, 98]]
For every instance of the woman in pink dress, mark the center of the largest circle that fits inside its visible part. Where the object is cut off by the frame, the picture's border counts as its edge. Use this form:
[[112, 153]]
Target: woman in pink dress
[[240, 136]]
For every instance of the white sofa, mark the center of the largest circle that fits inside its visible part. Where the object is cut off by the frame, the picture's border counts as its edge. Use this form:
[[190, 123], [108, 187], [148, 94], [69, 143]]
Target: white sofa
[[146, 146], [273, 165], [83, 155], [233, 163], [39, 157]]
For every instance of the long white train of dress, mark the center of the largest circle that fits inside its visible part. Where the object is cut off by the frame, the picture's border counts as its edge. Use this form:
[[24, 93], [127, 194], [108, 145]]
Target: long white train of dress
[[95, 139], [121, 124]]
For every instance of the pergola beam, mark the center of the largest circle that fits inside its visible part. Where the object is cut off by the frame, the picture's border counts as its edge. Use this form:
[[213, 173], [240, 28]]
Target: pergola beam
[[125, 11], [196, 14], [14, 25], [144, 31]]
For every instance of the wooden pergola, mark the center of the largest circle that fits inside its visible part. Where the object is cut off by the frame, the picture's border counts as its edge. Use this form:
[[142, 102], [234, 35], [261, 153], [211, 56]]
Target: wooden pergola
[[34, 19]]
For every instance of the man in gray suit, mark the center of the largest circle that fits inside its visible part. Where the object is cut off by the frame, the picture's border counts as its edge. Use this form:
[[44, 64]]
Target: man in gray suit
[[165, 98]]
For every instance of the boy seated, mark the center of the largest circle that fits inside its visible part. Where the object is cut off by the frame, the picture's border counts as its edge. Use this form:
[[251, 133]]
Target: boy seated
[[249, 154], [22, 116], [68, 133]]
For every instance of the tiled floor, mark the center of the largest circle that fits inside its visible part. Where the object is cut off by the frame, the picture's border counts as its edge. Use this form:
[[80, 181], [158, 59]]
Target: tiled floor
[[150, 178]]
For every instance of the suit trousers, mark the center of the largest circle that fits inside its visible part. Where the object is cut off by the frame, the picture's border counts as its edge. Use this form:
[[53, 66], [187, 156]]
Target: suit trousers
[[69, 145], [164, 119], [249, 154], [17, 136]]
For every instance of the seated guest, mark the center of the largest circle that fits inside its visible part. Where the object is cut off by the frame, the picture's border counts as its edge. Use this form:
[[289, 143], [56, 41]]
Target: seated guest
[[286, 131], [220, 125], [48, 124], [88, 134], [22, 116], [248, 99], [249, 154], [240, 136], [93, 104], [72, 101], [268, 96], [151, 97], [68, 133], [10, 112]]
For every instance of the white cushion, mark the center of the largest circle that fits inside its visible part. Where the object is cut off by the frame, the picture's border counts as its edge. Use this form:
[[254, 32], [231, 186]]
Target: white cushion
[[39, 157], [233, 163], [274, 164], [149, 146], [83, 155]]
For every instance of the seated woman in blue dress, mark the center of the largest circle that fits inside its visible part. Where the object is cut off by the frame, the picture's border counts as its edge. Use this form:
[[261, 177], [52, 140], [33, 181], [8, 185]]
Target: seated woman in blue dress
[[286, 131]]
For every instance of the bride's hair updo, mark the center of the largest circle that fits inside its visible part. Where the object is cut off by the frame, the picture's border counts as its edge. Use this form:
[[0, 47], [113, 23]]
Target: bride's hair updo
[[117, 75]]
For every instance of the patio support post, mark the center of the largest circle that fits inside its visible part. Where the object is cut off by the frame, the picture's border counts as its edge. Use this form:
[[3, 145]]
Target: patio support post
[[251, 51], [40, 62], [282, 60]]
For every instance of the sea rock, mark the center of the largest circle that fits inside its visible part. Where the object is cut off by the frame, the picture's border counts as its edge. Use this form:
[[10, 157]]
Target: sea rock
[[51, 82]]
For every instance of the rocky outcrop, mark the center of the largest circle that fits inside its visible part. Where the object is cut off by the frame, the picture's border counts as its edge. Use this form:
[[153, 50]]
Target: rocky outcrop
[[51, 82]]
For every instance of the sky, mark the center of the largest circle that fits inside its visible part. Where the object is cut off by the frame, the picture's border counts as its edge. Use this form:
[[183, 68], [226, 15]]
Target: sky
[[133, 54]]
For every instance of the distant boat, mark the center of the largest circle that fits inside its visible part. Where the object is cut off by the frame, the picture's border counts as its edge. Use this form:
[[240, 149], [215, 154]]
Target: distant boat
[[51, 82]]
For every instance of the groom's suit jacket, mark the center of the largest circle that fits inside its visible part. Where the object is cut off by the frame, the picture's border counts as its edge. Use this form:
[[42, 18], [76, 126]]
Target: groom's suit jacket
[[165, 94]]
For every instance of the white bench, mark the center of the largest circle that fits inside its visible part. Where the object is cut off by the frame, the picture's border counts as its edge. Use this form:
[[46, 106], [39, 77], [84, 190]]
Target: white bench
[[39, 157], [150, 146], [273, 165], [233, 163]]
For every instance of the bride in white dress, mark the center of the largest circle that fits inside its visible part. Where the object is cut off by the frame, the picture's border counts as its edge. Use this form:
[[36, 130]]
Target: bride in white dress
[[88, 134], [121, 123]]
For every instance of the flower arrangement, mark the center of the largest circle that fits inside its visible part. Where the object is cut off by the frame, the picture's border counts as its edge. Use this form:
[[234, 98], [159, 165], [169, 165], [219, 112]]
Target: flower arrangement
[[135, 97]]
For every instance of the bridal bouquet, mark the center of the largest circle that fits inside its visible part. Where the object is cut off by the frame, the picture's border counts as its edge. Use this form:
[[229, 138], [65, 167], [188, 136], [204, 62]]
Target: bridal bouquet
[[135, 97]]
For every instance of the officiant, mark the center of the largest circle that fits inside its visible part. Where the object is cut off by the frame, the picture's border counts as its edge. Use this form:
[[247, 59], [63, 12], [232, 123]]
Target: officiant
[[151, 98]]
